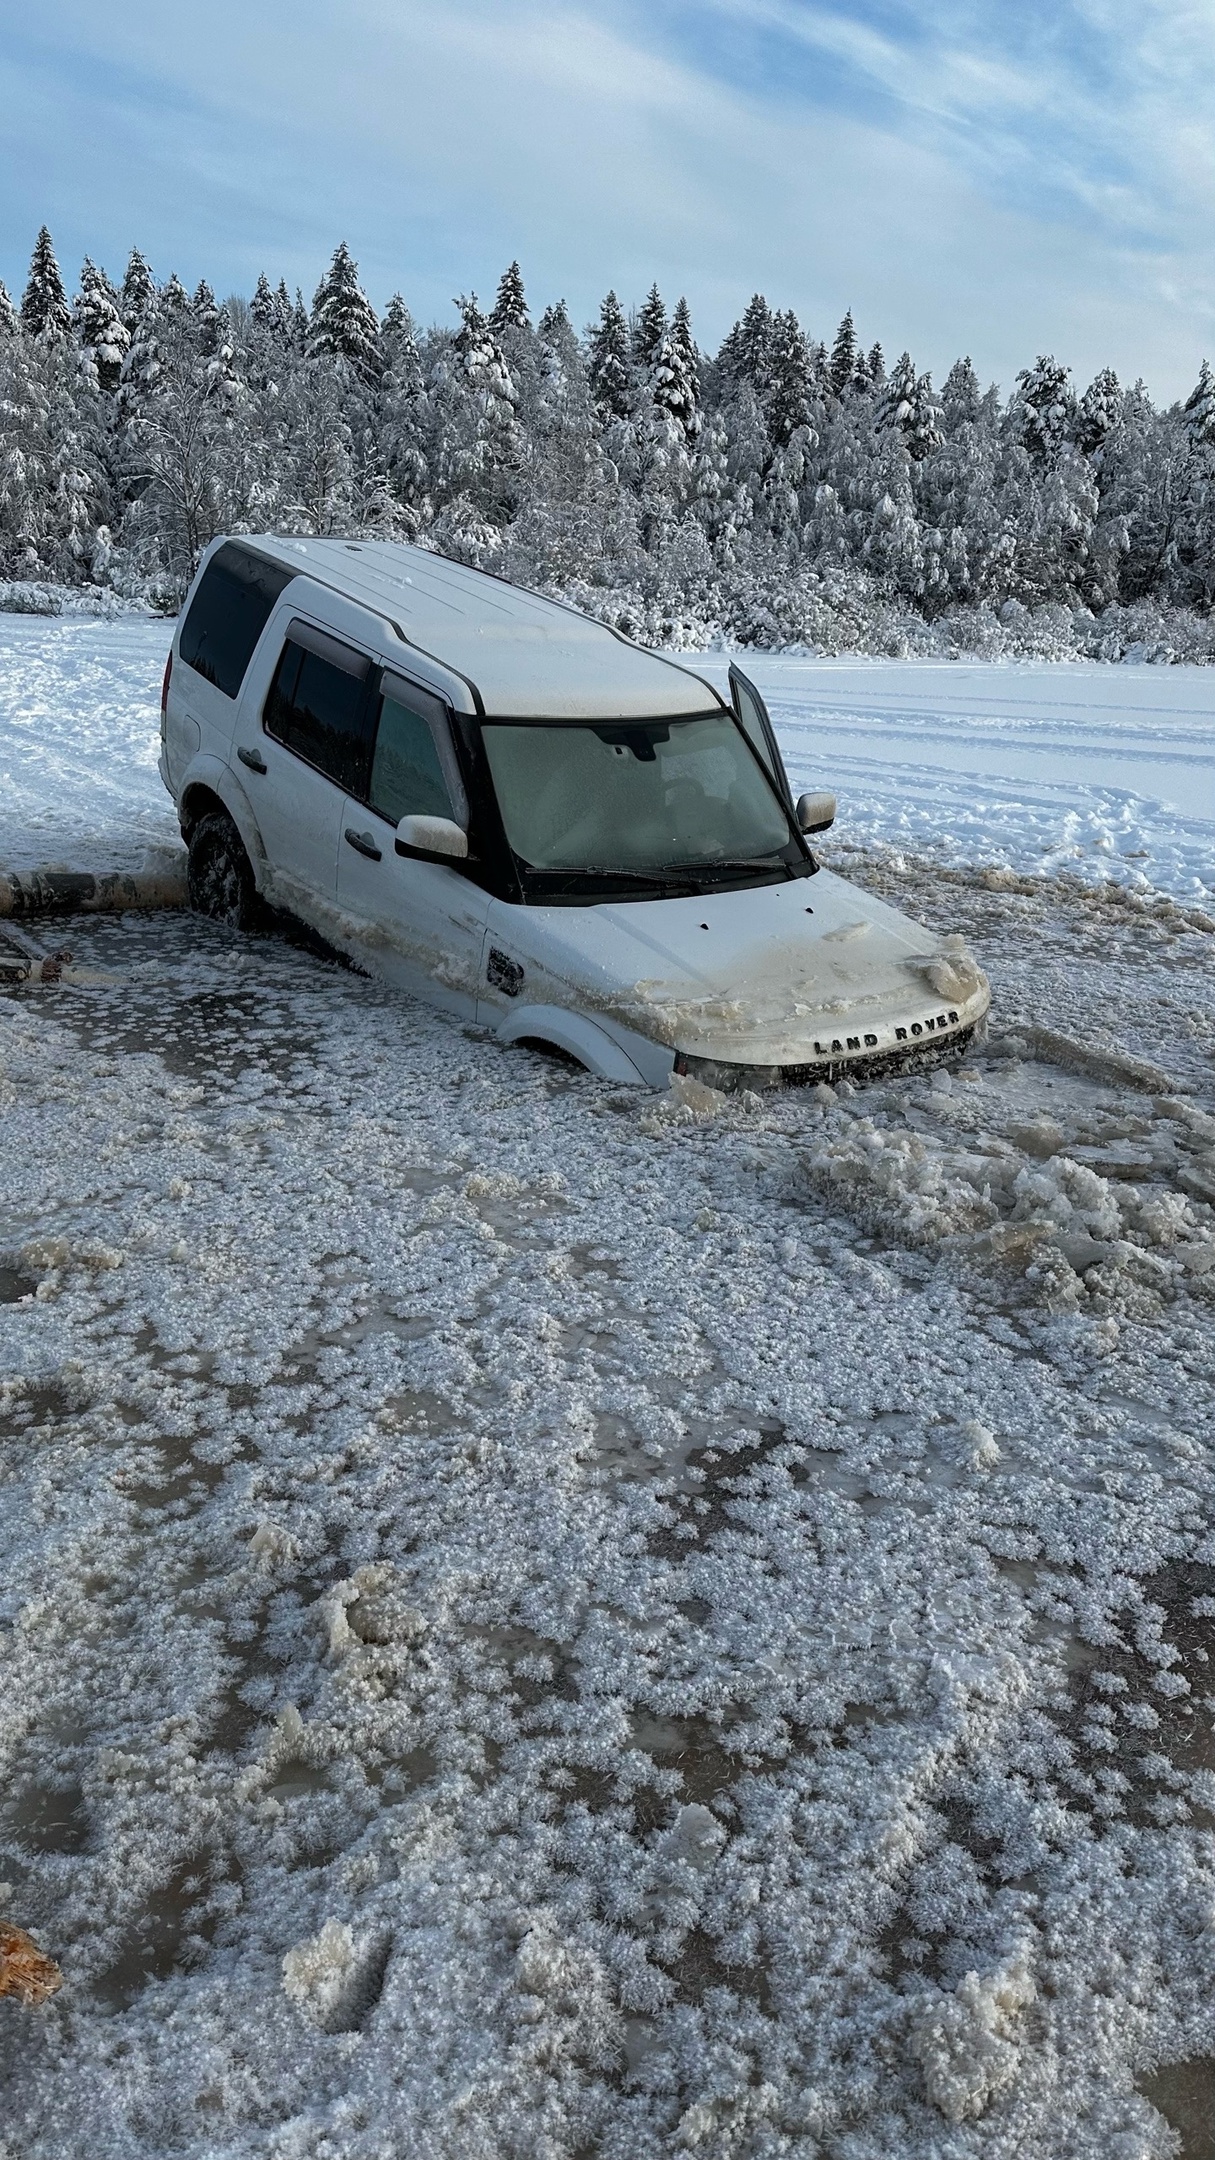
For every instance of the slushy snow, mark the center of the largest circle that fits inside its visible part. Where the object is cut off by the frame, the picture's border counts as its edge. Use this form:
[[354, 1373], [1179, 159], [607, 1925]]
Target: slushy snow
[[541, 1620]]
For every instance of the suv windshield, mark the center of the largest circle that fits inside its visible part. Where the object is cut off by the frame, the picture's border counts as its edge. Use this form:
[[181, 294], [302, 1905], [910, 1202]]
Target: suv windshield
[[676, 804]]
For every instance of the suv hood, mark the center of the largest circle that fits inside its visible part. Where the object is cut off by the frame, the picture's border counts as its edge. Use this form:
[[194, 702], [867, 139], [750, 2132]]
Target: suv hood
[[778, 975]]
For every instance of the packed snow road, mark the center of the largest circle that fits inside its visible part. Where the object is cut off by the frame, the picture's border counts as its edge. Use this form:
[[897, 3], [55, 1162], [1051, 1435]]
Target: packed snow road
[[540, 1620]]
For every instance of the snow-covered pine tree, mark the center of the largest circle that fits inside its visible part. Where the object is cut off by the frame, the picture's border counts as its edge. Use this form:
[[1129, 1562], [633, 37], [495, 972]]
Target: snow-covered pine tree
[[683, 340], [743, 357], [789, 371], [876, 365], [478, 451], [510, 310], [908, 404], [138, 296], [295, 315], [174, 299], [399, 340], [1098, 414], [206, 314], [922, 430], [1199, 410], [608, 365], [673, 387], [344, 324], [263, 308], [843, 356], [895, 406], [403, 413], [675, 374], [1046, 409], [97, 321], [44, 307], [9, 319], [142, 313], [960, 396], [649, 330]]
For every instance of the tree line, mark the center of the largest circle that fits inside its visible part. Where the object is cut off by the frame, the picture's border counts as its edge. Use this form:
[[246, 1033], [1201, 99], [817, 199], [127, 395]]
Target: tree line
[[764, 490]]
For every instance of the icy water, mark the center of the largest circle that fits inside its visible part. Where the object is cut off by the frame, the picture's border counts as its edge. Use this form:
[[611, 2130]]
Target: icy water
[[538, 1622]]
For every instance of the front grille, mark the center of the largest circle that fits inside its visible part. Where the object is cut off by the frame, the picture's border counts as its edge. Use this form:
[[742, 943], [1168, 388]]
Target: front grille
[[908, 1057], [920, 1056]]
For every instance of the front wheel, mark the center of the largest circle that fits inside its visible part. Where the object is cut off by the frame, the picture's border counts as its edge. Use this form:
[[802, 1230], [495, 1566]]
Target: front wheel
[[219, 874]]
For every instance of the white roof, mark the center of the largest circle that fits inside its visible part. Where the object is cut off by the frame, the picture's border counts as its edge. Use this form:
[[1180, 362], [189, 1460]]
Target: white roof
[[527, 655]]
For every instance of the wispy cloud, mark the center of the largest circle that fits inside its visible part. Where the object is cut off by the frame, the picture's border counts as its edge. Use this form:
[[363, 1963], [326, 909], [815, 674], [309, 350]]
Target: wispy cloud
[[1008, 179]]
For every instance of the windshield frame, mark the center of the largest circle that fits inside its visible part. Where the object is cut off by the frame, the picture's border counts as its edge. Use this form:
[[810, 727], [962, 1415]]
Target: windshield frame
[[591, 886]]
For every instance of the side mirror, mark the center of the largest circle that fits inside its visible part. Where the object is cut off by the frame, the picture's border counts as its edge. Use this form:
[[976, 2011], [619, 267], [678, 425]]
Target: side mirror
[[418, 835], [816, 812]]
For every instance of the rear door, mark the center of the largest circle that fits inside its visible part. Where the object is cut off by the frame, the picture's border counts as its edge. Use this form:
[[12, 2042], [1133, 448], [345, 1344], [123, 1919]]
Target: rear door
[[299, 757], [759, 731], [423, 923]]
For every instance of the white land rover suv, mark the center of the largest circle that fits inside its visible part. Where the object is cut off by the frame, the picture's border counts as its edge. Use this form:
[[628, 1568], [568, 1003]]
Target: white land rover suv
[[511, 811]]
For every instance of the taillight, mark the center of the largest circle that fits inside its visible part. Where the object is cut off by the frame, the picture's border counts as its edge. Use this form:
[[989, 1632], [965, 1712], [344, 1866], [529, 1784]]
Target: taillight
[[164, 688]]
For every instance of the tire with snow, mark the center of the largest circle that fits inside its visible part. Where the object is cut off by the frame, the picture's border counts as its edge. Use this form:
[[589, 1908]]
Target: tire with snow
[[219, 873]]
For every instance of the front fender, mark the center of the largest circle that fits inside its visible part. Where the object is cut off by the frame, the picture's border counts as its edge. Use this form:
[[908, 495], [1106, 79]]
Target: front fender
[[590, 1044], [209, 772]]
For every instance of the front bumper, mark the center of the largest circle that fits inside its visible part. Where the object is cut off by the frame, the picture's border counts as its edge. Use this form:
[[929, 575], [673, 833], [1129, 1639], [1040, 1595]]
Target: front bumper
[[917, 1047]]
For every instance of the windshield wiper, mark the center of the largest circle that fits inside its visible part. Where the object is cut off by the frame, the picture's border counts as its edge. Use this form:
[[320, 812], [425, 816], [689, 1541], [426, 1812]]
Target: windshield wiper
[[661, 878]]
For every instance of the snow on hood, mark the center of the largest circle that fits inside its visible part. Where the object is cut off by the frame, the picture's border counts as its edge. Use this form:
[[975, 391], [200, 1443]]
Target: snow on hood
[[751, 975]]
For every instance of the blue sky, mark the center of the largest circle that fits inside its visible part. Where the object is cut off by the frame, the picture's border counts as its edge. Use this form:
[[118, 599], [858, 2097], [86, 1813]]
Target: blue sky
[[998, 179]]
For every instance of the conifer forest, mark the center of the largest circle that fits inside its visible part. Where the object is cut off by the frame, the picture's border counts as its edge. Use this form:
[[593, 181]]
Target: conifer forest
[[783, 490]]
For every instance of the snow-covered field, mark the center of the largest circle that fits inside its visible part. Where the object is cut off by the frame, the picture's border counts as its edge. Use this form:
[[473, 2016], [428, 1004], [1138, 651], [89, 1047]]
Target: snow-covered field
[[538, 1621], [79, 739], [1104, 772]]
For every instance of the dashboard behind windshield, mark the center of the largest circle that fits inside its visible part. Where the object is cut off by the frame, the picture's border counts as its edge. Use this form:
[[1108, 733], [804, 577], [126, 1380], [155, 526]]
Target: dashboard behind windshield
[[667, 798]]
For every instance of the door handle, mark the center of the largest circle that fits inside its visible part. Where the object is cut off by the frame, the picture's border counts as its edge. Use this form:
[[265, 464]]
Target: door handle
[[365, 844], [252, 758]]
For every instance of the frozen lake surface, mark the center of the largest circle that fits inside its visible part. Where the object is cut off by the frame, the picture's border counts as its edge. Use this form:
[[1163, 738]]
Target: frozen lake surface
[[1101, 771], [1106, 772]]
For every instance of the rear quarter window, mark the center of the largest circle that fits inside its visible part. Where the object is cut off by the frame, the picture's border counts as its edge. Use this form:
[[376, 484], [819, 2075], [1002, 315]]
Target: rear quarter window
[[227, 615]]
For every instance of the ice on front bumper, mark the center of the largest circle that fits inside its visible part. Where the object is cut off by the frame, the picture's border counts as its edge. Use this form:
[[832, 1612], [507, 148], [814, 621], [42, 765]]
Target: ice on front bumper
[[869, 1054]]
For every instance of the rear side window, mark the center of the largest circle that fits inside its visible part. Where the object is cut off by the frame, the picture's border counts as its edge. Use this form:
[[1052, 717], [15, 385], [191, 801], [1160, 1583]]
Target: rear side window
[[414, 771], [318, 706], [228, 614]]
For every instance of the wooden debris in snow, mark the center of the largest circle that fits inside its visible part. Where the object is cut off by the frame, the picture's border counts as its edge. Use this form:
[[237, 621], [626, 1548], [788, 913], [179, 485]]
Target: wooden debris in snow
[[24, 1969]]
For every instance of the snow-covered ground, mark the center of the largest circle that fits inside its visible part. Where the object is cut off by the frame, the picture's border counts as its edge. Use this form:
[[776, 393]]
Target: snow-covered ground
[[79, 739], [1105, 772], [540, 1621]]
